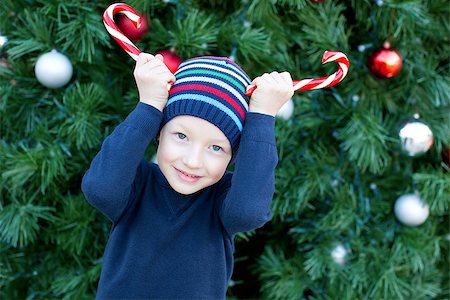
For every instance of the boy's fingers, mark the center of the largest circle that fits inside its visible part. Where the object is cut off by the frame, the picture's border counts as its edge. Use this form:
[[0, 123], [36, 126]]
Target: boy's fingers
[[167, 75], [161, 68], [276, 77], [160, 57], [256, 81], [287, 77], [171, 78], [261, 80], [143, 58], [269, 79]]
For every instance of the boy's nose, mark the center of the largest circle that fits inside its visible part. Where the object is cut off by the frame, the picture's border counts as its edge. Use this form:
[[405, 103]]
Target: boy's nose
[[193, 158]]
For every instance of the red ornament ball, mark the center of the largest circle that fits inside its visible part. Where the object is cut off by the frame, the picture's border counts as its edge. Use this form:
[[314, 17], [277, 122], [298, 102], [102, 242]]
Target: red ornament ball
[[446, 156], [317, 1], [171, 60], [385, 62], [128, 28]]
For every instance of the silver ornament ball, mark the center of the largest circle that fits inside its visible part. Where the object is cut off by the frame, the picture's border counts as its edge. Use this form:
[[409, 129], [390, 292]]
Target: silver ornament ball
[[3, 41], [155, 159], [286, 110], [53, 69], [411, 210], [416, 138], [339, 254]]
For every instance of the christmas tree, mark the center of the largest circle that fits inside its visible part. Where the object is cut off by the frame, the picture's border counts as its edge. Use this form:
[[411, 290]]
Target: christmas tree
[[361, 208]]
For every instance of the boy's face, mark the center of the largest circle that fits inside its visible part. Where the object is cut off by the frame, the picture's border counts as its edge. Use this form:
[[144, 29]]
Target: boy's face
[[192, 154]]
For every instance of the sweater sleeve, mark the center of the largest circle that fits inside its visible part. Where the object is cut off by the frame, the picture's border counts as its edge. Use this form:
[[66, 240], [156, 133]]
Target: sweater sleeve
[[246, 206], [119, 166]]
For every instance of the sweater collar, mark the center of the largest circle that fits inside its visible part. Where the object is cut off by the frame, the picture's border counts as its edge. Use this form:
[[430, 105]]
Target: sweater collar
[[177, 203]]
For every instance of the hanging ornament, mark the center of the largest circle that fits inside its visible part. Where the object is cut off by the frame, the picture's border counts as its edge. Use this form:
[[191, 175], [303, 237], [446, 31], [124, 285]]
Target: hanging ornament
[[3, 41], [129, 28], [53, 69], [154, 159], [171, 60], [411, 210], [317, 1], [446, 156], [339, 254], [416, 138], [286, 110], [385, 62]]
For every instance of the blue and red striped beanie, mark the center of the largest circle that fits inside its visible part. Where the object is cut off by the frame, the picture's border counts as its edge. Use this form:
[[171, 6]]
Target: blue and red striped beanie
[[211, 88]]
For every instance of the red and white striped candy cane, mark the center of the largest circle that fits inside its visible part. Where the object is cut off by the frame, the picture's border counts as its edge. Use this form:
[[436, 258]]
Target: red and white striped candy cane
[[323, 82], [116, 33], [299, 85]]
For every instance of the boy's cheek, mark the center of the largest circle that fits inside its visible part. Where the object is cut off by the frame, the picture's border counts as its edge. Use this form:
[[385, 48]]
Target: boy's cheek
[[167, 151]]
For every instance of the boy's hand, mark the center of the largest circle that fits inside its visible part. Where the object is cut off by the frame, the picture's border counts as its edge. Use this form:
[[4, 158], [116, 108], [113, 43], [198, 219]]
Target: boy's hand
[[272, 91], [152, 77]]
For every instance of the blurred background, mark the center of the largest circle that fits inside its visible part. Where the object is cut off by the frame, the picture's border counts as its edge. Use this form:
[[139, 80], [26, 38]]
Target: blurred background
[[361, 208]]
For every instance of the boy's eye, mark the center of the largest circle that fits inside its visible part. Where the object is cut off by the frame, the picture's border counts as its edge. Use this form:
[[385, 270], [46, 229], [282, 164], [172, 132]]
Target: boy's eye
[[216, 148], [181, 136]]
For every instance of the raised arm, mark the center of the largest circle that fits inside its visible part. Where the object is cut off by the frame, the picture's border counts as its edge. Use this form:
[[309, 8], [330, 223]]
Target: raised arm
[[247, 202], [119, 167]]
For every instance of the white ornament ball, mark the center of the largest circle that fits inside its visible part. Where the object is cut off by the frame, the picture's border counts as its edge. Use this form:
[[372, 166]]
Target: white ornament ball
[[339, 254], [3, 41], [416, 138], [53, 69], [286, 110], [411, 210]]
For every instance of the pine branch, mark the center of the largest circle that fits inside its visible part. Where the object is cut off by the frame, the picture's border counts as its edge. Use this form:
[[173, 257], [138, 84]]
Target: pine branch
[[36, 168], [75, 233], [282, 278], [297, 186], [434, 189], [90, 32], [19, 223], [293, 4], [76, 283], [195, 35], [260, 10], [254, 45], [82, 117], [366, 141], [412, 249], [344, 214], [34, 33], [324, 29]]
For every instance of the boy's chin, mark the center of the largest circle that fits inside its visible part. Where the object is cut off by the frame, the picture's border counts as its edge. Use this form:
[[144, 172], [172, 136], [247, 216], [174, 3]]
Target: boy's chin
[[185, 190]]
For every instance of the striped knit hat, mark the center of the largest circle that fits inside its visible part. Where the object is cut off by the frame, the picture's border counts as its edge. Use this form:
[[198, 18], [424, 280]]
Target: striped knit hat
[[211, 88]]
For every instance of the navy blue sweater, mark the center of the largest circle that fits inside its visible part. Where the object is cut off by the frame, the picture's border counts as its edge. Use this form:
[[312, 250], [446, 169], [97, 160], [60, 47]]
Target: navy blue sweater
[[165, 245]]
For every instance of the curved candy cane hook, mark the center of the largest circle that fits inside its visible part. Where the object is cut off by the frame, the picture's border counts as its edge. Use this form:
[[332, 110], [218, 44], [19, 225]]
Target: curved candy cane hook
[[323, 82], [116, 33]]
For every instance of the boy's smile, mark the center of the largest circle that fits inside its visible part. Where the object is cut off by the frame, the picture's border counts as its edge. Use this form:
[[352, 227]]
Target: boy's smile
[[192, 153], [187, 176]]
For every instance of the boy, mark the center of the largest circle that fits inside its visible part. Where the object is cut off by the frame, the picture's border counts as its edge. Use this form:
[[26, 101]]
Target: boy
[[174, 222]]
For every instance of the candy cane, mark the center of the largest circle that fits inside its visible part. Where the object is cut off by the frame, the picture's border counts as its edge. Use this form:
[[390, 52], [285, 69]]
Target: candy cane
[[304, 84], [323, 82], [116, 33]]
